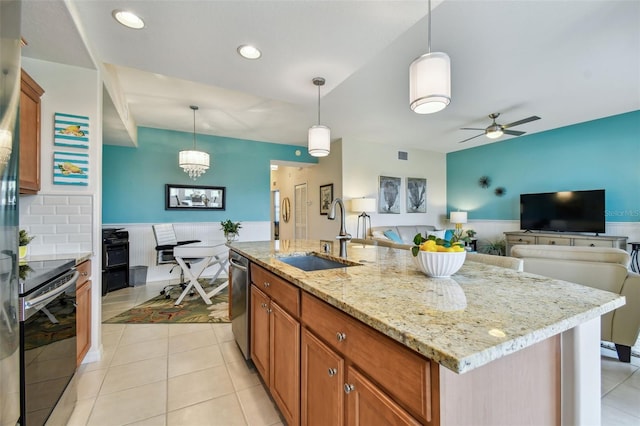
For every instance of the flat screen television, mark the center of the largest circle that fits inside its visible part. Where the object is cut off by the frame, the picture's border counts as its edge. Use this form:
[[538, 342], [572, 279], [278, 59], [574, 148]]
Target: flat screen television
[[567, 211]]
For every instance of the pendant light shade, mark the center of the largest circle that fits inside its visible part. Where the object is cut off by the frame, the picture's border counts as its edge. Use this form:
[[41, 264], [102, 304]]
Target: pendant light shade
[[319, 141], [430, 80], [192, 161], [430, 83]]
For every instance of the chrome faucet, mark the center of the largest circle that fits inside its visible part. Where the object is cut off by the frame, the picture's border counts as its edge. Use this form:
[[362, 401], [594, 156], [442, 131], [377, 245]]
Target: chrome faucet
[[343, 236]]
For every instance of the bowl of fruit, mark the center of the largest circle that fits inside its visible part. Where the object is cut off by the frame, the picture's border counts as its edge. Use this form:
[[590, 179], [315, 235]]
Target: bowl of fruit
[[436, 257]]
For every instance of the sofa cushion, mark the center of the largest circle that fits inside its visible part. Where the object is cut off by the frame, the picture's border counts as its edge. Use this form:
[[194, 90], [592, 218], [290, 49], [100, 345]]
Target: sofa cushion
[[379, 235]]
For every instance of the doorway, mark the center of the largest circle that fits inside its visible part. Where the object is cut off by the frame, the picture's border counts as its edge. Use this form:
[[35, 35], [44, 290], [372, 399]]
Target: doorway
[[275, 215], [300, 212]]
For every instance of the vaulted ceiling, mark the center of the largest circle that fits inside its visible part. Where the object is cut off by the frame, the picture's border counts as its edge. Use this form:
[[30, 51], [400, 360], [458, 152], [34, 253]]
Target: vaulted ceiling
[[567, 61]]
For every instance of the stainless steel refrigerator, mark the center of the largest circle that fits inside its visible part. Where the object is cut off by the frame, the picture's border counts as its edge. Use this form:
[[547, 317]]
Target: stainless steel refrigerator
[[9, 131]]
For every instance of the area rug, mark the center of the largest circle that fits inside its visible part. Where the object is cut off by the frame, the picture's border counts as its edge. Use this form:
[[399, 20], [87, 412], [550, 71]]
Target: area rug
[[161, 310]]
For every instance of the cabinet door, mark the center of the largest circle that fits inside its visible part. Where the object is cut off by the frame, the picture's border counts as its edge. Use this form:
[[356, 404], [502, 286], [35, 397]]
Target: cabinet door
[[260, 332], [368, 405], [322, 381], [285, 363], [30, 93], [83, 320]]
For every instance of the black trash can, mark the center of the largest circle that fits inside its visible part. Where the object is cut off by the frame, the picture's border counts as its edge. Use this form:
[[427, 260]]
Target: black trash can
[[137, 276]]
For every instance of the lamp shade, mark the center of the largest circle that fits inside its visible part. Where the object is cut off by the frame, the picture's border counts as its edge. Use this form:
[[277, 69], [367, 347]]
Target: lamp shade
[[458, 217], [193, 162], [319, 140], [430, 83], [363, 204]]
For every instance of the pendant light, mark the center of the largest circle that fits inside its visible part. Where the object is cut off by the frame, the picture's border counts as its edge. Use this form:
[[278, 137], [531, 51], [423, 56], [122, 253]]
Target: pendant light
[[319, 135], [430, 80], [194, 162]]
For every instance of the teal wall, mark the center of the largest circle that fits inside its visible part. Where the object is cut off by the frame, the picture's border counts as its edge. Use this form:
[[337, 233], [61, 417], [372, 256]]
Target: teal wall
[[133, 179], [599, 154]]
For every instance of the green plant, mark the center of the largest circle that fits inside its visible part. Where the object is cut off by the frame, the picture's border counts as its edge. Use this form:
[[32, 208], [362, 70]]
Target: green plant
[[471, 233], [229, 227], [24, 238], [497, 247]]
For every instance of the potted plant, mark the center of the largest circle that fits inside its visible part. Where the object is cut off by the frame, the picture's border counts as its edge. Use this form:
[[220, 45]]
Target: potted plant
[[230, 229], [23, 240], [496, 247]]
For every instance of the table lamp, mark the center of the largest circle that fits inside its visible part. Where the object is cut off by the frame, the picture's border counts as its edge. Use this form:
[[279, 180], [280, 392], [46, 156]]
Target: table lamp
[[458, 218], [363, 205]]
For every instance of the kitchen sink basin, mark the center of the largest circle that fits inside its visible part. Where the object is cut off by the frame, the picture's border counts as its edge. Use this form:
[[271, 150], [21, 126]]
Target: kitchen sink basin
[[313, 262]]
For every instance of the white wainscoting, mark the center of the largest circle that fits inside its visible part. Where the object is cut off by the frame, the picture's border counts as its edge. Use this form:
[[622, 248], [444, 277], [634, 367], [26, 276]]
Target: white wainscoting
[[142, 242]]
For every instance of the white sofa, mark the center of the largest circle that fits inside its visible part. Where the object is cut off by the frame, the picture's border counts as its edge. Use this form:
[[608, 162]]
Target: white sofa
[[598, 267], [405, 232]]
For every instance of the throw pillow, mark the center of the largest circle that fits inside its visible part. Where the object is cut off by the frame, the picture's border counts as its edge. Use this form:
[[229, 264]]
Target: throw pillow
[[437, 234], [448, 235], [392, 236], [379, 234]]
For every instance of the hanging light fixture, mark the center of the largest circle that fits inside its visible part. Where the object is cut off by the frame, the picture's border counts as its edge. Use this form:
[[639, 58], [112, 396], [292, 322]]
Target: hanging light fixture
[[319, 135], [194, 162], [430, 80]]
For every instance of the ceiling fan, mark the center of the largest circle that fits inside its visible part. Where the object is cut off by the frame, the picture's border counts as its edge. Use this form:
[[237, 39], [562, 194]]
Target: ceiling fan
[[496, 130]]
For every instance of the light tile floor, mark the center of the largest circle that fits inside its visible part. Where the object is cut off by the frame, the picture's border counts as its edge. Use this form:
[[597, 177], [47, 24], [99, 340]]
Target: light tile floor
[[168, 374], [194, 375]]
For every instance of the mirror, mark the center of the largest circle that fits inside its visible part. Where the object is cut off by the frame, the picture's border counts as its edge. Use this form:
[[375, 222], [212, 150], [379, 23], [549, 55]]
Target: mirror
[[286, 209], [194, 197]]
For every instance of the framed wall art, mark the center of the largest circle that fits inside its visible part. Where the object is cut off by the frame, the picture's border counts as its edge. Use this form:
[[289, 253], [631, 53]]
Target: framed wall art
[[416, 195], [71, 130], [194, 197], [326, 197], [389, 194], [70, 168]]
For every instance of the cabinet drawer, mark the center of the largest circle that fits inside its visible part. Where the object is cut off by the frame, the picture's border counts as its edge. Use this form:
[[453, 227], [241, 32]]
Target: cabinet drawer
[[285, 294], [517, 239], [592, 242], [403, 374], [85, 271], [554, 241]]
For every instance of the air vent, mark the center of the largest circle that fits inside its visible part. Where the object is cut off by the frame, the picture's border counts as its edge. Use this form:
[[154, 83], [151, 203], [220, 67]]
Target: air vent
[[403, 155]]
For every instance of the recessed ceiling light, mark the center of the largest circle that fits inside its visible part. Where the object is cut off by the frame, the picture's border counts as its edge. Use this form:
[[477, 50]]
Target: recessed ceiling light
[[249, 52], [128, 19]]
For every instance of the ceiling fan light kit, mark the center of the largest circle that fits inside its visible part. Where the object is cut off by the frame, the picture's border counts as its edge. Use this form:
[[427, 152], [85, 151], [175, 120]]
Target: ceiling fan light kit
[[192, 161], [319, 141], [430, 80]]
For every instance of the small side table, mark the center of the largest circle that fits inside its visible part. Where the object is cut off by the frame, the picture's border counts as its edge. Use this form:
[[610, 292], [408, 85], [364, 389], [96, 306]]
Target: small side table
[[635, 265], [473, 244]]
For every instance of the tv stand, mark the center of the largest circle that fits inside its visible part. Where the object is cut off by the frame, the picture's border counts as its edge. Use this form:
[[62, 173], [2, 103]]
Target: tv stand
[[562, 239]]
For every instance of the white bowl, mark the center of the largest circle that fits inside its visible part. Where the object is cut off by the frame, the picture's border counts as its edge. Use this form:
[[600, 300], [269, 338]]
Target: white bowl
[[440, 264]]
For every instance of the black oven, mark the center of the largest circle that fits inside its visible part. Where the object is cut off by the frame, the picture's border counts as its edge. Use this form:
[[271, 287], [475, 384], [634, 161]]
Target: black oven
[[115, 259], [47, 338]]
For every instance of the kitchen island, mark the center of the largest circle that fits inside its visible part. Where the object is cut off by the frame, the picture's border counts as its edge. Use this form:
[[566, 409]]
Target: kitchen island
[[502, 346]]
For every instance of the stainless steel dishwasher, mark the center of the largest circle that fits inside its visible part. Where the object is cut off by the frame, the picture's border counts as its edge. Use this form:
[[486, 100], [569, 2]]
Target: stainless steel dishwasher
[[240, 307]]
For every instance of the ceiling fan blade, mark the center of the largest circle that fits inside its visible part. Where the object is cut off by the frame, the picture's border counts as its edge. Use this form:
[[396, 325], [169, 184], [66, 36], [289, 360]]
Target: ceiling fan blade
[[473, 137], [513, 132], [470, 128], [519, 122]]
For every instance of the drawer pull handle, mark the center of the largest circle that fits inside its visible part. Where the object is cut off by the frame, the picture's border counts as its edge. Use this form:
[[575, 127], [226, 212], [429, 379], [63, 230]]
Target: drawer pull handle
[[520, 239], [267, 284], [84, 274], [348, 388], [332, 372], [341, 336], [264, 305], [592, 245], [269, 311]]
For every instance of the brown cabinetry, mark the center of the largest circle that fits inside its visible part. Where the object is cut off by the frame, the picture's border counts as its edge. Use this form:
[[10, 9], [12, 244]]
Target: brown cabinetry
[[83, 310], [383, 380], [275, 339], [30, 93]]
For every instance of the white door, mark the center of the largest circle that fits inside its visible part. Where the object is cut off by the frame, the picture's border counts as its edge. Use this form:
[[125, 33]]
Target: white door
[[300, 212]]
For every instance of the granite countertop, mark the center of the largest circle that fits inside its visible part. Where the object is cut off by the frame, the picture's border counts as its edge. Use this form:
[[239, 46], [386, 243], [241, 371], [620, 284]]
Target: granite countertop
[[478, 315], [79, 257]]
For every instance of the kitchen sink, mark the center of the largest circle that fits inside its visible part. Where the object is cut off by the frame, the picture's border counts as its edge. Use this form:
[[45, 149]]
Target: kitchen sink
[[314, 262]]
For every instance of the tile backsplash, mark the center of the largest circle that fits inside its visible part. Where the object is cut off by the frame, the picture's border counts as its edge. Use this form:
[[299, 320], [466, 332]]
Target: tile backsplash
[[60, 223]]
